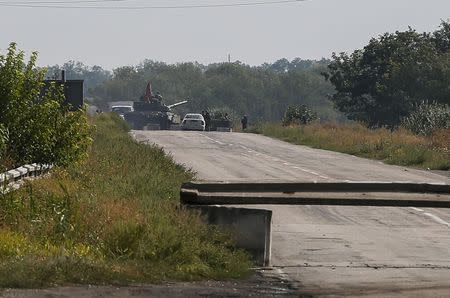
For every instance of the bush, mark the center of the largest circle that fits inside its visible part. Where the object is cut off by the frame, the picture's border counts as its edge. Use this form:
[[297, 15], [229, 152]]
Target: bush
[[298, 115], [428, 118], [41, 127]]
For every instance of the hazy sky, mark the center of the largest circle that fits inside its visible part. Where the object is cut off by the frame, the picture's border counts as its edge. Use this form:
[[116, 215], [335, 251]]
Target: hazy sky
[[253, 35]]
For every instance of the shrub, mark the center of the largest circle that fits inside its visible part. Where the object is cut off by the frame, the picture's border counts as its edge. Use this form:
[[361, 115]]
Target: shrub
[[428, 118], [41, 127], [298, 115]]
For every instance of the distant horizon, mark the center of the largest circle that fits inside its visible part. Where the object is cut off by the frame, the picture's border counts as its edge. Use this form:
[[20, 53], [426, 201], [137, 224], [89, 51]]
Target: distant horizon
[[254, 35], [28, 53]]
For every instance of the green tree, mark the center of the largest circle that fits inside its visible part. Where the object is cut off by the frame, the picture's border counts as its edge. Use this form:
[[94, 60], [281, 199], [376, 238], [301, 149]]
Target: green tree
[[263, 92], [383, 82], [40, 128], [92, 76]]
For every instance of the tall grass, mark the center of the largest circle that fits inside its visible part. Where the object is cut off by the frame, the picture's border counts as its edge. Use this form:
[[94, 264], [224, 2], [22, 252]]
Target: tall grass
[[113, 219], [399, 147]]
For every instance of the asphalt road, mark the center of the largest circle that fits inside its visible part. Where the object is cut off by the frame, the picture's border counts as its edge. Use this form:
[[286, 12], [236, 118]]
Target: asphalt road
[[329, 250]]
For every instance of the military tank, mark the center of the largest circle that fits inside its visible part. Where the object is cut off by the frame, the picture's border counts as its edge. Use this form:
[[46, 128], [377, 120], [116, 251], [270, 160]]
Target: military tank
[[151, 113]]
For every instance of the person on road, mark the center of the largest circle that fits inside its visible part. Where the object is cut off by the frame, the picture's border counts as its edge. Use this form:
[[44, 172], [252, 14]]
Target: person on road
[[244, 122], [207, 118]]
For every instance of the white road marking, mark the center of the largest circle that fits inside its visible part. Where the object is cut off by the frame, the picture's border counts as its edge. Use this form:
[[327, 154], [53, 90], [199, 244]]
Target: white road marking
[[432, 216], [311, 172], [437, 219], [417, 209], [249, 150], [213, 140]]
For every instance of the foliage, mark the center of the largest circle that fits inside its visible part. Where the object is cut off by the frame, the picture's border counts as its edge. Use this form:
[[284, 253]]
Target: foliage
[[263, 92], [382, 83], [400, 147], [427, 118], [299, 115], [40, 126], [113, 219], [92, 76]]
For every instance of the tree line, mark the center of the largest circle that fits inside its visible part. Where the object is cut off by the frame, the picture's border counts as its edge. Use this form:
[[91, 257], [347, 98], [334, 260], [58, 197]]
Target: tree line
[[263, 92]]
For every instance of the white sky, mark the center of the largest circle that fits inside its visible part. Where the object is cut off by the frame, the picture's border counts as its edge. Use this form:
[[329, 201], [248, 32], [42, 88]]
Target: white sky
[[253, 35]]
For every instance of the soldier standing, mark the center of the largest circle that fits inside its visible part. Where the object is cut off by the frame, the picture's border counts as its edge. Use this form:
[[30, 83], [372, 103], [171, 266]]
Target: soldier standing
[[244, 122], [207, 121]]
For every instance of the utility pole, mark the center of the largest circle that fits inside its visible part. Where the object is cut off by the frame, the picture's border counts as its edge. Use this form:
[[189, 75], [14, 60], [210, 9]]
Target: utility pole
[[229, 58]]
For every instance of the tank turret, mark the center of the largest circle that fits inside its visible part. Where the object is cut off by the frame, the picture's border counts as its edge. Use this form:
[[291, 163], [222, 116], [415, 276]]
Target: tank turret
[[151, 112]]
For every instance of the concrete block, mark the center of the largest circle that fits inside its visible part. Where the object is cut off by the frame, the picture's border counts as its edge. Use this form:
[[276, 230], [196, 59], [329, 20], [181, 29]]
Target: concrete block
[[13, 175], [31, 170], [292, 187], [23, 171], [251, 227]]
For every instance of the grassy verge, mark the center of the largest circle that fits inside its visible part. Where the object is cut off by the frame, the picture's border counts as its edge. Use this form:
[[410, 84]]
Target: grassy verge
[[398, 147], [114, 219]]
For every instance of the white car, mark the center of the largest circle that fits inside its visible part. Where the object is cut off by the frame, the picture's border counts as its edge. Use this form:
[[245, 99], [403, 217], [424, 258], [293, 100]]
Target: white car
[[121, 110], [193, 122]]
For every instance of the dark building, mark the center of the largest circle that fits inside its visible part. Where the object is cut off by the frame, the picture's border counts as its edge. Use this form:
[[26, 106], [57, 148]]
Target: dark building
[[73, 90]]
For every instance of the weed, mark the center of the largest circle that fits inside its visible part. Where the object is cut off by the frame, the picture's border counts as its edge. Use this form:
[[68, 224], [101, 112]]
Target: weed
[[399, 147], [113, 219]]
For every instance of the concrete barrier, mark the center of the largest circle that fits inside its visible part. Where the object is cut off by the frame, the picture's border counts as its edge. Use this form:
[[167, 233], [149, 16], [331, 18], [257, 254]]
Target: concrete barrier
[[12, 178], [251, 227], [340, 194], [292, 187]]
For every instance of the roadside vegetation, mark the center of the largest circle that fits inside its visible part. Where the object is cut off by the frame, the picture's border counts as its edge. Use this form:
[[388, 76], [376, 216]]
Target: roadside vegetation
[[384, 82], [109, 211], [396, 89], [36, 124], [399, 147], [114, 218]]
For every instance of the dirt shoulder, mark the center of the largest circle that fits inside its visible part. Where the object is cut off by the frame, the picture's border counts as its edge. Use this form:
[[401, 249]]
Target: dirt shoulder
[[264, 283]]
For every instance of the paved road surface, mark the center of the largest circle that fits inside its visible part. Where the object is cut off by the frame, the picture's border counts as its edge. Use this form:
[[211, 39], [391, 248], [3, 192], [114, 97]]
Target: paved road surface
[[328, 250]]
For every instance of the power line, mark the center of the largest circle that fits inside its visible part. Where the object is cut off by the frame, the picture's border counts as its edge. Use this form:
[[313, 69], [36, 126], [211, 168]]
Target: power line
[[58, 2], [260, 3]]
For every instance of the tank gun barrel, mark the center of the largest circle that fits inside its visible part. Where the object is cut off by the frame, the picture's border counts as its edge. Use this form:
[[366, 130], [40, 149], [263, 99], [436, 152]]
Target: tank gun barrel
[[177, 104]]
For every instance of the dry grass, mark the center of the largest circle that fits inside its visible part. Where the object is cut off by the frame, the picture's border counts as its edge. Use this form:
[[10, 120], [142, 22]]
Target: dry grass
[[399, 147]]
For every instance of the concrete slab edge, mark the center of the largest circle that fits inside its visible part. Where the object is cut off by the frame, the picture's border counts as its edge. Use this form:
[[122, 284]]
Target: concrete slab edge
[[287, 187]]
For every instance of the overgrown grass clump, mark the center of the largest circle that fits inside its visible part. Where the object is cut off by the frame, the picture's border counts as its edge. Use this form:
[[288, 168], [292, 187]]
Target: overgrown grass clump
[[113, 219], [399, 147]]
